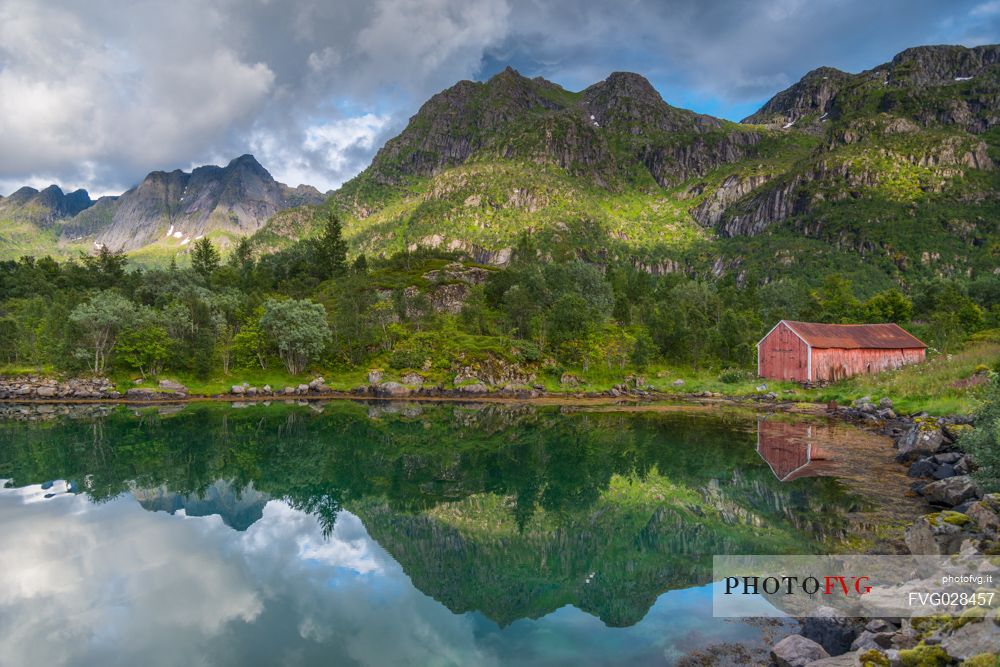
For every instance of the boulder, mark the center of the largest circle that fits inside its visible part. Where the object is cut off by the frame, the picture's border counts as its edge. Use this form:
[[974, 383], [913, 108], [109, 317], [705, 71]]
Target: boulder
[[845, 660], [797, 651], [938, 534], [288, 391], [266, 389], [140, 394], [478, 388], [45, 392], [302, 389], [413, 379], [944, 471], [393, 389], [920, 441], [963, 466], [946, 457], [986, 514], [569, 380], [830, 630], [885, 403], [317, 384], [869, 640], [173, 385], [922, 468], [972, 639], [950, 492], [237, 389]]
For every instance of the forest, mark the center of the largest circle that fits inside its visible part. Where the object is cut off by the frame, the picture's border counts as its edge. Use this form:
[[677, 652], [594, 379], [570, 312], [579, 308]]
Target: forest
[[310, 308]]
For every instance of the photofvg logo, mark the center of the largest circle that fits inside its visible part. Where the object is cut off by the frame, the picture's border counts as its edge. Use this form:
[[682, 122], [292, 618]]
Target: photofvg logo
[[790, 585], [853, 586]]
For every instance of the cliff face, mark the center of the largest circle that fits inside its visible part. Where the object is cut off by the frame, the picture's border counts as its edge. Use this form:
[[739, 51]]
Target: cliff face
[[43, 207], [237, 198], [604, 133]]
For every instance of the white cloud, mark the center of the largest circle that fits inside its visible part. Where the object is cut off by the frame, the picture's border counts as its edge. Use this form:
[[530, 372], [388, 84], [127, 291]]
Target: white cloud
[[991, 8], [97, 94]]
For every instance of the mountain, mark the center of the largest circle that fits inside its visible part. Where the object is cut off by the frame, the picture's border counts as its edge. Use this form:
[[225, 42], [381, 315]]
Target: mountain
[[887, 175], [168, 209]]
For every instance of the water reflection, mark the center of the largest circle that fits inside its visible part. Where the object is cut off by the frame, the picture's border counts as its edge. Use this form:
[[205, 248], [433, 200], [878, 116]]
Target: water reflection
[[790, 449], [389, 534]]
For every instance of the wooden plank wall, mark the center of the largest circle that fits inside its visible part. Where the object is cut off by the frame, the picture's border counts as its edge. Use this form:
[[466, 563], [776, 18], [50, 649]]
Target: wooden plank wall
[[783, 355]]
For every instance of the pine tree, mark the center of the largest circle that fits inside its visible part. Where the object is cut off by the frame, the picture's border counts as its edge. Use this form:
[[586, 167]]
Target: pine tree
[[331, 249], [204, 257]]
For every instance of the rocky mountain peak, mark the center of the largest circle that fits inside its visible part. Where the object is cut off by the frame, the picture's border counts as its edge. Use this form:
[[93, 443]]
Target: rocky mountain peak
[[813, 94], [938, 65], [45, 206]]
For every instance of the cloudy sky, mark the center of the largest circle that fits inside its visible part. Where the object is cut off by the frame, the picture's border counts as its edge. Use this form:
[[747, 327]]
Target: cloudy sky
[[97, 93]]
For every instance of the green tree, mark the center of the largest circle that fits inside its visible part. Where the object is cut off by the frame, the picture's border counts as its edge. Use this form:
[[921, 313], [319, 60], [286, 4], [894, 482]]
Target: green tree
[[983, 442], [205, 258], [100, 320], [888, 306], [330, 249], [298, 330], [145, 348]]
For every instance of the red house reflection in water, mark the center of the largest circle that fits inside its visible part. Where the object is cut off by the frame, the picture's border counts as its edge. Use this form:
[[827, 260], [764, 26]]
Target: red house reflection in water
[[791, 450]]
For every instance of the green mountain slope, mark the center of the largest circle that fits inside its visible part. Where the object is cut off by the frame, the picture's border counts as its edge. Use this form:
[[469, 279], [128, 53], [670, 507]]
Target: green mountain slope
[[889, 173]]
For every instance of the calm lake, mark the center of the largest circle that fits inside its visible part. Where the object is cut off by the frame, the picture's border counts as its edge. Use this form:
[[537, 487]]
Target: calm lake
[[430, 534]]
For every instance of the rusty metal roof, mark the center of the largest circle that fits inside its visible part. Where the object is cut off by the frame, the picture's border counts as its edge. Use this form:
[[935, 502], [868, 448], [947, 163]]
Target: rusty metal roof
[[854, 336]]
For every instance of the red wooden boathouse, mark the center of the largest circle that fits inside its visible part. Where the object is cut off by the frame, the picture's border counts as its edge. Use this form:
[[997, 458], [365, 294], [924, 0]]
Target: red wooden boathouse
[[810, 352]]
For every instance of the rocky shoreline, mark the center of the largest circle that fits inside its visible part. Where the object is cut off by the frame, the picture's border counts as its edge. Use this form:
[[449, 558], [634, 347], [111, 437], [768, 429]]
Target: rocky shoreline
[[964, 521]]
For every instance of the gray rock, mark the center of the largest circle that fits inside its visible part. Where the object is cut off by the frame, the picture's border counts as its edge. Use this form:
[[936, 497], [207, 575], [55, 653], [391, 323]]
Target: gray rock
[[963, 466], [317, 384], [237, 389], [266, 389], [374, 377], [885, 403], [569, 380], [678, 383], [944, 471], [869, 640], [946, 457], [922, 468], [920, 441], [413, 379], [934, 535], [251, 391], [477, 388], [972, 639], [302, 389], [797, 651], [880, 625], [986, 514], [844, 660], [950, 492], [831, 630], [45, 392], [393, 389], [288, 391], [173, 385]]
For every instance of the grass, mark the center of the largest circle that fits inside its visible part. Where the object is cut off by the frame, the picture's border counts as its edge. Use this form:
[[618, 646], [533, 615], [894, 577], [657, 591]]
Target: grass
[[930, 386], [936, 386]]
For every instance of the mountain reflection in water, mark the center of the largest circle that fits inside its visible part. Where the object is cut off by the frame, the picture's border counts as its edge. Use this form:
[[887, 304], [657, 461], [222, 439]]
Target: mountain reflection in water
[[396, 533]]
